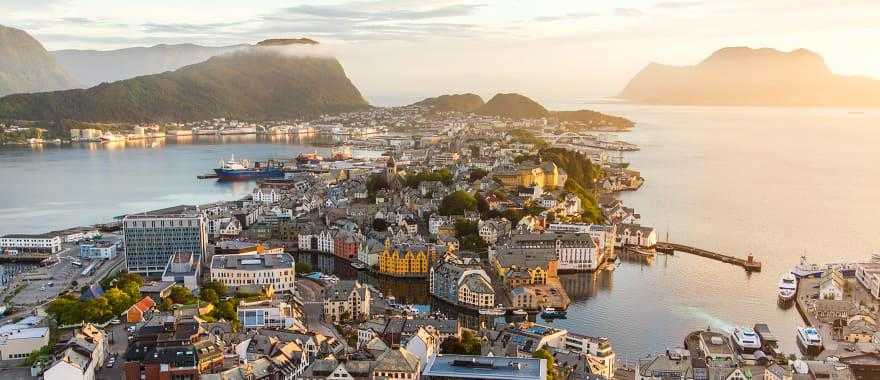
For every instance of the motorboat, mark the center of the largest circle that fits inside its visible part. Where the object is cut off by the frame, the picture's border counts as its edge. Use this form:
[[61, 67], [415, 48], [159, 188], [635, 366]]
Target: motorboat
[[358, 265], [746, 340], [520, 312], [551, 313], [809, 340], [494, 311], [787, 287]]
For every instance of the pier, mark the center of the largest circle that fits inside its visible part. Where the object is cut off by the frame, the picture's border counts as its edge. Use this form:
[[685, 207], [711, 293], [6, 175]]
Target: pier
[[749, 264]]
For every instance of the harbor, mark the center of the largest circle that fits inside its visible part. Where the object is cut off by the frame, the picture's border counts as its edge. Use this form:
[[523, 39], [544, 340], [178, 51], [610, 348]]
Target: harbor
[[750, 264]]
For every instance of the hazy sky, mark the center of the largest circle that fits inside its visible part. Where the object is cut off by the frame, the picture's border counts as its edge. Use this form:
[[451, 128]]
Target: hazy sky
[[399, 49]]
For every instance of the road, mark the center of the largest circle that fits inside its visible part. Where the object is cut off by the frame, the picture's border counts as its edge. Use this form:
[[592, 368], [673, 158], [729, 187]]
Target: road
[[312, 296]]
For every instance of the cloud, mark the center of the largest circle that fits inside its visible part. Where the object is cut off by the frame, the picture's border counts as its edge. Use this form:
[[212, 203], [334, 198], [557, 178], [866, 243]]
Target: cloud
[[565, 17], [628, 12], [677, 4], [347, 12], [187, 28]]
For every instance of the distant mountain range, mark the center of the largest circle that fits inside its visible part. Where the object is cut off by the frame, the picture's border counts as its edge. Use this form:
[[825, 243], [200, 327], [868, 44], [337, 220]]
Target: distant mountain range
[[276, 79], [93, 67], [25, 66], [745, 76]]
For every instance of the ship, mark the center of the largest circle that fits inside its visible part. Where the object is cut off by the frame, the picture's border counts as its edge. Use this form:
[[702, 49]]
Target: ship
[[233, 170], [307, 158], [787, 287], [746, 340]]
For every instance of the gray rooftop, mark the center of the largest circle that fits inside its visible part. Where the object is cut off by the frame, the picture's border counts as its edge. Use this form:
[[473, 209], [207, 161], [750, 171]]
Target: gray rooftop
[[252, 261], [485, 367]]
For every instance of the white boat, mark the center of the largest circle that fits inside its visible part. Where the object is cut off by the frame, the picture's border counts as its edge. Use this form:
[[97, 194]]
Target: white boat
[[109, 136], [805, 269], [809, 340], [239, 131], [520, 312], [746, 340], [495, 311], [787, 287]]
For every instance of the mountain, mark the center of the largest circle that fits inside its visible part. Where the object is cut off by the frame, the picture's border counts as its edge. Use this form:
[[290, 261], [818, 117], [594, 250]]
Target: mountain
[[745, 76], [455, 102], [92, 67], [25, 66], [514, 106], [257, 83]]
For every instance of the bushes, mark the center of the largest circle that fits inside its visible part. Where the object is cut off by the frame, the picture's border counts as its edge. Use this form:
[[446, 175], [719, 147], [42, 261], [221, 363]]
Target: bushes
[[457, 203]]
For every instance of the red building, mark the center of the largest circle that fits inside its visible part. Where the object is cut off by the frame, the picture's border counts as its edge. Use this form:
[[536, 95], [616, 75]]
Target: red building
[[346, 245]]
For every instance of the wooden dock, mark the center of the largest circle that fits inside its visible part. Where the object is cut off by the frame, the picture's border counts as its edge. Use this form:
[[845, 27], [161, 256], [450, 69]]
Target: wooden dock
[[750, 264]]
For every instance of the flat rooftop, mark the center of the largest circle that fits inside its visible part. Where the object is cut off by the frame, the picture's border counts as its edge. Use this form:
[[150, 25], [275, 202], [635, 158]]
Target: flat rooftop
[[486, 367], [181, 210], [252, 261]]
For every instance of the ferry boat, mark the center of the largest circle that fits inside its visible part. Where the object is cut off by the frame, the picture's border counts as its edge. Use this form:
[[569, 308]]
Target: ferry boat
[[551, 313], [240, 170], [809, 340], [806, 269], [494, 312], [787, 287], [746, 340]]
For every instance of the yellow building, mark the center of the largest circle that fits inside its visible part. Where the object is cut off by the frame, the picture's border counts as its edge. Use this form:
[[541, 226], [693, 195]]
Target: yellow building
[[546, 175], [407, 260]]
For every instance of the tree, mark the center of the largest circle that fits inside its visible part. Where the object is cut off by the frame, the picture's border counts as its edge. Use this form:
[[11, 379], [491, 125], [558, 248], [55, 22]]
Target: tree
[[302, 267], [219, 288], [180, 295], [380, 225], [457, 203], [119, 301], [464, 227], [544, 354], [66, 310], [209, 296]]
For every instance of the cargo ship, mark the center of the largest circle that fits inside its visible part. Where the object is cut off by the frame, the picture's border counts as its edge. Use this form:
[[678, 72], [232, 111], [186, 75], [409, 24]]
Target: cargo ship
[[233, 170]]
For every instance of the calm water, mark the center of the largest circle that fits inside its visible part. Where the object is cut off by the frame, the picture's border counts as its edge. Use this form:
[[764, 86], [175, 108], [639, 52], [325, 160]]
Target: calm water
[[58, 187], [774, 182]]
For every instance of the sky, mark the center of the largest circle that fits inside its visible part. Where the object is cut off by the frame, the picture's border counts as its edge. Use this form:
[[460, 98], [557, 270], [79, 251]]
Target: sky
[[399, 50]]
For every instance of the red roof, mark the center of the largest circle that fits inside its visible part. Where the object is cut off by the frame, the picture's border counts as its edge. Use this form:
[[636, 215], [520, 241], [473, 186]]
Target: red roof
[[145, 304]]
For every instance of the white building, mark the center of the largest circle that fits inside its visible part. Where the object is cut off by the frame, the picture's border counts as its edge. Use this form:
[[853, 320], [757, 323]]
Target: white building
[[183, 268], [266, 314], [266, 195], [346, 300], [275, 270], [326, 240], [490, 230], [831, 286], [636, 235], [868, 274], [18, 340], [84, 354], [104, 249], [599, 348], [307, 242], [435, 222], [43, 243]]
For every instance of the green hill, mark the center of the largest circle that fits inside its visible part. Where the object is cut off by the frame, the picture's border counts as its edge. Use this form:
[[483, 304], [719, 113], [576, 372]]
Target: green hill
[[258, 83], [513, 106], [455, 102]]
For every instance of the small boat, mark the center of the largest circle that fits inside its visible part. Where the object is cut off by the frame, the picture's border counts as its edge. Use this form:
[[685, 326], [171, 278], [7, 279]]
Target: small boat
[[809, 341], [787, 287], [494, 311], [552, 313], [358, 265], [746, 340], [520, 312]]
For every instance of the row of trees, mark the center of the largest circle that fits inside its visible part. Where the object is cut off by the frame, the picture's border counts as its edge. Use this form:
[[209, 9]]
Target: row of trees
[[121, 292], [442, 175]]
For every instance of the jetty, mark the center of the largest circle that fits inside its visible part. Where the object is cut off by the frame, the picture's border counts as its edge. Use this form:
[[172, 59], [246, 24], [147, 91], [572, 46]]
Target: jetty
[[749, 264]]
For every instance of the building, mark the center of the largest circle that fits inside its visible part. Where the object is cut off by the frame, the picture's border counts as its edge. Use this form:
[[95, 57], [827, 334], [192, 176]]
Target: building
[[272, 270], [19, 339], [172, 348], [230, 247], [183, 268], [408, 260], [396, 363], [347, 244], [347, 300], [868, 274], [545, 175], [490, 230], [137, 312], [152, 237], [42, 243], [598, 348], [574, 251], [84, 354], [832, 286], [266, 313], [636, 235], [102, 249], [466, 367], [461, 282]]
